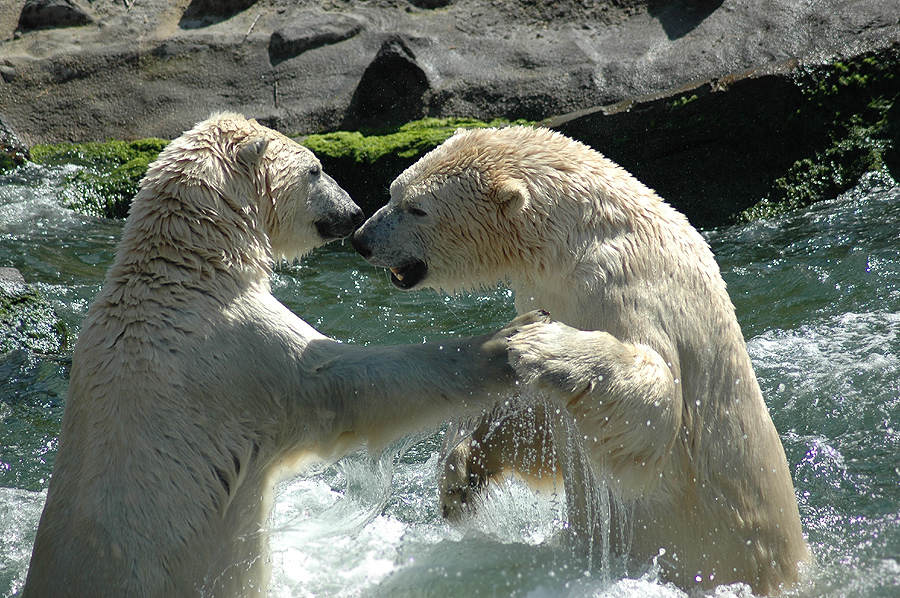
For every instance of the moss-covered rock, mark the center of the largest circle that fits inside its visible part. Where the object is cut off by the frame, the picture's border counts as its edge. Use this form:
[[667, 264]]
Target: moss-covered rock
[[13, 152], [111, 173], [855, 102], [27, 321], [364, 163], [757, 142], [734, 148]]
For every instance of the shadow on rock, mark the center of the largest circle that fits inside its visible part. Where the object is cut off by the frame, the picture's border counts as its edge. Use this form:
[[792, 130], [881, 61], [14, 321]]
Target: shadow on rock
[[391, 90], [680, 17], [202, 13]]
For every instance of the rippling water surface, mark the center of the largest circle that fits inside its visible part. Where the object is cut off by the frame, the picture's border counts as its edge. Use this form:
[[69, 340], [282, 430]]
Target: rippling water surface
[[818, 296]]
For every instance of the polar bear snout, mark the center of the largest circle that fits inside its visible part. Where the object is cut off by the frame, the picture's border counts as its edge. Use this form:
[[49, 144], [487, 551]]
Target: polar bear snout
[[375, 243], [360, 244], [340, 225], [341, 215]]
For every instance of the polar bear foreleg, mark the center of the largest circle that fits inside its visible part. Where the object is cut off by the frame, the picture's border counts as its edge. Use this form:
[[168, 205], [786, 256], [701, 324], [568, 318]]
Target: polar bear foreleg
[[374, 395], [515, 437], [624, 398]]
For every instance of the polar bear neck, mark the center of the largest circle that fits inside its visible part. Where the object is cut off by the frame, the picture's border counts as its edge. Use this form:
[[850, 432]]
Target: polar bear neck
[[600, 253], [197, 242]]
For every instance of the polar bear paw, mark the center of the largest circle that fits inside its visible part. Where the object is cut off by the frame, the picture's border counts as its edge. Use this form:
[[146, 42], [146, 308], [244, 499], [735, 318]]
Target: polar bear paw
[[554, 356], [499, 342]]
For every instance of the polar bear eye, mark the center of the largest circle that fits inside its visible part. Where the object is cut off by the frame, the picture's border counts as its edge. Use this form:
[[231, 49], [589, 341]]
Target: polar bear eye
[[315, 170], [416, 211]]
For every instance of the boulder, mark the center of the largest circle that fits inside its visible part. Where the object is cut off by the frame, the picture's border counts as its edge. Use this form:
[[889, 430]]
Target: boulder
[[694, 96], [13, 152], [314, 29], [51, 14], [786, 135], [321, 65], [27, 321]]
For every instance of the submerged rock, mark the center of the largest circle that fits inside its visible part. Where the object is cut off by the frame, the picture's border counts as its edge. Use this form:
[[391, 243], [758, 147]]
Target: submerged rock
[[27, 321]]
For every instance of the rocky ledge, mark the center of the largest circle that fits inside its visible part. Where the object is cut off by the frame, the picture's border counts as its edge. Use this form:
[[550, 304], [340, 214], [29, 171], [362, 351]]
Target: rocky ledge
[[717, 104]]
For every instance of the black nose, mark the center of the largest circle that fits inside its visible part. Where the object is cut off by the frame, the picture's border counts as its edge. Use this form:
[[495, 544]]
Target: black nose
[[360, 245], [340, 226]]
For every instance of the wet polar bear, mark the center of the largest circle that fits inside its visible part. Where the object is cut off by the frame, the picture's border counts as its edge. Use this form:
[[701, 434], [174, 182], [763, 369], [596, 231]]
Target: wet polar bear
[[192, 387], [654, 367]]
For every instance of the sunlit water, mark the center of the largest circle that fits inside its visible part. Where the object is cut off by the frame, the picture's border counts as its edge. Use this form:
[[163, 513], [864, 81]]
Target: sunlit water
[[818, 296]]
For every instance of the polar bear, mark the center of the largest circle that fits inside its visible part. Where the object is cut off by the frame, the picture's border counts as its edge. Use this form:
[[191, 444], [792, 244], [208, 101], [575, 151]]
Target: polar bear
[[192, 388], [650, 359]]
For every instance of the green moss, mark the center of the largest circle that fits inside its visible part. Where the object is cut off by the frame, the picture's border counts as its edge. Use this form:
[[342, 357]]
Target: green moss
[[111, 173], [112, 170], [28, 321], [364, 163], [684, 101], [854, 102], [408, 142], [6, 163]]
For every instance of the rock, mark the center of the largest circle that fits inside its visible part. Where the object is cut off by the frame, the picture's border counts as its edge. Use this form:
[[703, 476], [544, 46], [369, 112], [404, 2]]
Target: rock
[[7, 73], [26, 319], [50, 14], [391, 91], [13, 152], [785, 134], [376, 63], [301, 70], [430, 3], [313, 30], [202, 13]]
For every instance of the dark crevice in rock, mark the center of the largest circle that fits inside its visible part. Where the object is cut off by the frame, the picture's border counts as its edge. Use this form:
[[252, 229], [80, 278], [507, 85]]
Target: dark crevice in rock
[[202, 13], [391, 90], [52, 14]]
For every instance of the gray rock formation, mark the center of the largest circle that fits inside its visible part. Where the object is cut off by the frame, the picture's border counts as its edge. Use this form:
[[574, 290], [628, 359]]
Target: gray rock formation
[[155, 67]]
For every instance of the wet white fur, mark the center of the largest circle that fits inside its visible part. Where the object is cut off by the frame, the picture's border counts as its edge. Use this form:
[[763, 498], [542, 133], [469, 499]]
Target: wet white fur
[[192, 388], [652, 364]]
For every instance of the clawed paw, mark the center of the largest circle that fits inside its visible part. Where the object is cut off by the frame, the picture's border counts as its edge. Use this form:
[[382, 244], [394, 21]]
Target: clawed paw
[[545, 353]]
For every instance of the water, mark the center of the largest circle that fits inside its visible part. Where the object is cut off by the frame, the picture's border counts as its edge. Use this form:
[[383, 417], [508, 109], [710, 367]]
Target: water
[[818, 296]]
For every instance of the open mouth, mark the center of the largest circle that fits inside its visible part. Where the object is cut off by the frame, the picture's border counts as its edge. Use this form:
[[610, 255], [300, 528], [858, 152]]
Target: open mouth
[[409, 275]]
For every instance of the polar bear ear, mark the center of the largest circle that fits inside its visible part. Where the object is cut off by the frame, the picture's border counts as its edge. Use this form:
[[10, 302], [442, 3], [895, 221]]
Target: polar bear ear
[[512, 194], [252, 152]]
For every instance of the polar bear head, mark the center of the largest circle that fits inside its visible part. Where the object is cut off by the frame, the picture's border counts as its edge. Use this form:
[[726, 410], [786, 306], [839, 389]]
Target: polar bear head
[[264, 192], [488, 205]]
